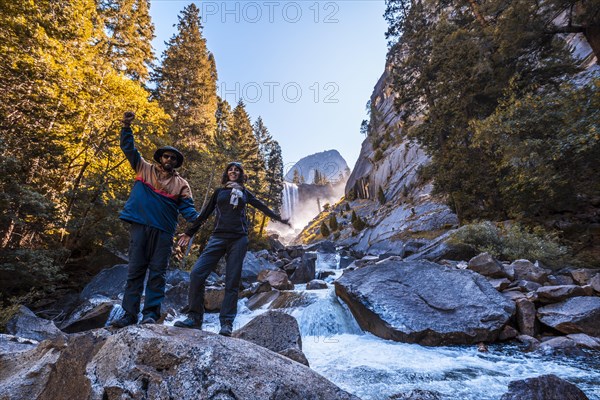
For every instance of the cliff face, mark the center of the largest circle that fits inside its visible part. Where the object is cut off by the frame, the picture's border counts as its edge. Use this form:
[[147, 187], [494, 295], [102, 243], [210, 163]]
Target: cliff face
[[390, 162], [397, 165], [410, 216]]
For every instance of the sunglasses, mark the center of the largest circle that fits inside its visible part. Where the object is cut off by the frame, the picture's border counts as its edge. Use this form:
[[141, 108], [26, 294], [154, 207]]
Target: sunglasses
[[170, 157]]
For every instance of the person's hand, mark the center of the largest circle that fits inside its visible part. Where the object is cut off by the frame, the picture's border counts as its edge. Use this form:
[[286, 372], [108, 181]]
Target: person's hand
[[184, 240], [128, 118]]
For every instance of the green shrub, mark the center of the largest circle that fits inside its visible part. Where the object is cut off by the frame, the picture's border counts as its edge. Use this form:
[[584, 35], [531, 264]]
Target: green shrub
[[324, 229], [347, 206], [22, 270], [358, 223], [381, 196], [511, 243], [333, 224], [378, 155]]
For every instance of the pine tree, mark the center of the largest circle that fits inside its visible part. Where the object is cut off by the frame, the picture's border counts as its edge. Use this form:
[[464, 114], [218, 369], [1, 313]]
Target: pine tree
[[129, 33], [381, 196], [223, 138], [316, 177], [296, 177], [324, 230], [186, 89], [453, 66], [60, 100], [333, 224], [274, 179], [186, 84], [358, 224]]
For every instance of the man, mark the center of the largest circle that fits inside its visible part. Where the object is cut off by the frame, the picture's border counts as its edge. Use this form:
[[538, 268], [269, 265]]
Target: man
[[158, 196]]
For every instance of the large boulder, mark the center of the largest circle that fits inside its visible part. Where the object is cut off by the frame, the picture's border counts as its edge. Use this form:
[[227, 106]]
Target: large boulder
[[526, 317], [158, 362], [575, 315], [305, 272], [109, 283], [486, 265], [253, 265], [426, 303], [276, 331], [10, 344], [554, 294], [26, 324], [95, 318], [324, 246], [276, 278], [582, 276], [545, 387], [528, 271], [595, 283]]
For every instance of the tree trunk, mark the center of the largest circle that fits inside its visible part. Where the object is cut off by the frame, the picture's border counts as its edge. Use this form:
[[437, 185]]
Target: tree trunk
[[8, 233], [73, 198]]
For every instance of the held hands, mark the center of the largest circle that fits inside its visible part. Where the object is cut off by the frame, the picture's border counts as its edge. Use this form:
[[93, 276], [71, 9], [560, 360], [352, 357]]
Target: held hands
[[184, 240], [128, 118]]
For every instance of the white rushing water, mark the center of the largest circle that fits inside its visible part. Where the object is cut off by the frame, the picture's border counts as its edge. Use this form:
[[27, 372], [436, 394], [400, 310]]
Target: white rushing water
[[373, 368]]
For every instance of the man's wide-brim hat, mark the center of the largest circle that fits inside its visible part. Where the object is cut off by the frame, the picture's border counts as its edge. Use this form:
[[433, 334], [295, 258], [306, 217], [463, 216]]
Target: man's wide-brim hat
[[158, 154]]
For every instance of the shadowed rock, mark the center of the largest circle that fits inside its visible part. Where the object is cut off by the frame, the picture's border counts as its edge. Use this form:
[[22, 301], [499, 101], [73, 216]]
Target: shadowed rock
[[526, 270], [554, 294], [486, 265], [26, 324], [96, 318], [545, 387], [109, 282], [276, 331], [316, 284], [575, 315], [426, 303], [305, 272]]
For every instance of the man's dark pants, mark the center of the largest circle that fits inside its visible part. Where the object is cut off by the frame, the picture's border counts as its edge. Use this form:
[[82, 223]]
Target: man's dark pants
[[235, 251], [149, 250]]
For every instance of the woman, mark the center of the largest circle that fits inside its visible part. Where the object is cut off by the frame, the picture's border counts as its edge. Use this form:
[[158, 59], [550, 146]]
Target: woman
[[229, 238]]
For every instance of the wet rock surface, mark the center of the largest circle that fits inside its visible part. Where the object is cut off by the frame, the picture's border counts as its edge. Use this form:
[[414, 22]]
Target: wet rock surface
[[426, 303], [276, 331], [545, 387]]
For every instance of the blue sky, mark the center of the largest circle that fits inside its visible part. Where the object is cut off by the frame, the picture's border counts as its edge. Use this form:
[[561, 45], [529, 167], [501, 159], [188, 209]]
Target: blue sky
[[307, 68]]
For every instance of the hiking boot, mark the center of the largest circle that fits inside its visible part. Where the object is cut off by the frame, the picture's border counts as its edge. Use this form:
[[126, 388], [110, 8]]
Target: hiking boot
[[124, 321], [190, 323], [147, 320], [226, 329]]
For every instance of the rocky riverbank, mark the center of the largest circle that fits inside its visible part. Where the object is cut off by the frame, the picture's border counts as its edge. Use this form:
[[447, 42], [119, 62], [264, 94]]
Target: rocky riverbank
[[478, 301]]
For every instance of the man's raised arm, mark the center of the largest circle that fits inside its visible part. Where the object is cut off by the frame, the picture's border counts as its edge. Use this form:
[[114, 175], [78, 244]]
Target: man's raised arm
[[127, 143]]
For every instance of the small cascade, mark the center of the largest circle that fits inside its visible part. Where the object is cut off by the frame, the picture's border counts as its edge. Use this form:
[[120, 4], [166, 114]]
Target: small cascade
[[327, 261], [290, 199], [327, 317]]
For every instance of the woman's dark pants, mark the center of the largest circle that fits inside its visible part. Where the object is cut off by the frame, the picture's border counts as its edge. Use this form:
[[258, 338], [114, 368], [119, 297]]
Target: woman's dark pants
[[149, 250], [235, 251]]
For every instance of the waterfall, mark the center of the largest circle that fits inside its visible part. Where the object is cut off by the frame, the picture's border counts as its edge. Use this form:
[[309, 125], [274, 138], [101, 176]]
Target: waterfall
[[290, 199]]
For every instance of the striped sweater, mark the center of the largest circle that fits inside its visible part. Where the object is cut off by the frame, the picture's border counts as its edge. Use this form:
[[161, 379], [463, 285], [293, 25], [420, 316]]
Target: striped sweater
[[157, 196]]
